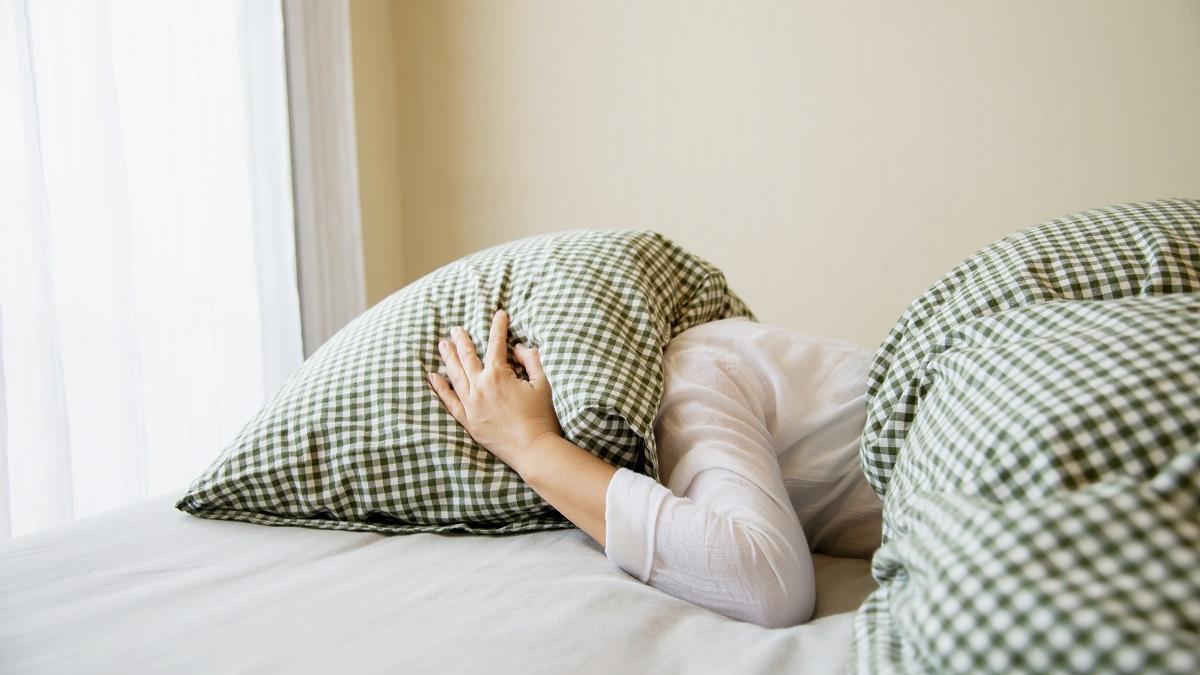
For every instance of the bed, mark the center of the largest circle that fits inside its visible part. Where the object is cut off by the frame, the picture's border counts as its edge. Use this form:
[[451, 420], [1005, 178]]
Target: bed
[[1033, 423], [146, 588]]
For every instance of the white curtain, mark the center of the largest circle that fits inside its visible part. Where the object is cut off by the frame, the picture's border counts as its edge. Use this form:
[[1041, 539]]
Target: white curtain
[[148, 302]]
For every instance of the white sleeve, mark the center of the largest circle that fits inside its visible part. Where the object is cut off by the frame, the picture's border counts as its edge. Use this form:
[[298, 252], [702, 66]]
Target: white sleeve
[[724, 536]]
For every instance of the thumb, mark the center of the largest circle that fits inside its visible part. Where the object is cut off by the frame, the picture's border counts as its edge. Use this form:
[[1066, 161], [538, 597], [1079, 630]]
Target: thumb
[[531, 361]]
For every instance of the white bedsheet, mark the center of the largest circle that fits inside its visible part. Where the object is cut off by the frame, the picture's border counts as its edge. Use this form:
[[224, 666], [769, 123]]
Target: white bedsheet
[[149, 589]]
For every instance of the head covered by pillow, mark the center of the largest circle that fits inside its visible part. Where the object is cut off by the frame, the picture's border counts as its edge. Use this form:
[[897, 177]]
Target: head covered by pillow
[[356, 439]]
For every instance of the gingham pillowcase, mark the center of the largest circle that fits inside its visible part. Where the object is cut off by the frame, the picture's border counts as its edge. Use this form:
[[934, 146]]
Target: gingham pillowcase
[[356, 440]]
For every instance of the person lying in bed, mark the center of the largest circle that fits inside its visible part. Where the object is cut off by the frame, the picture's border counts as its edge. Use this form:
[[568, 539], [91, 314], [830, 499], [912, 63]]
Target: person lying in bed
[[722, 531]]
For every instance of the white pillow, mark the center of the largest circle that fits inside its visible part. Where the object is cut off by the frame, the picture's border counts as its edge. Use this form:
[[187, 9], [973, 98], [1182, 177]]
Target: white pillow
[[813, 394]]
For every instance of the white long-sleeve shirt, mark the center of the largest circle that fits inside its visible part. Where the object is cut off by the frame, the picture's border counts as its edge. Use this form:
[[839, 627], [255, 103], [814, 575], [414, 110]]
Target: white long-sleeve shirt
[[725, 530]]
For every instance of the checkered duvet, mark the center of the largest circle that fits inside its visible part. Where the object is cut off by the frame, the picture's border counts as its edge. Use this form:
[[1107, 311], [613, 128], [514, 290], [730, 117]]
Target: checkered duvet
[[1034, 428]]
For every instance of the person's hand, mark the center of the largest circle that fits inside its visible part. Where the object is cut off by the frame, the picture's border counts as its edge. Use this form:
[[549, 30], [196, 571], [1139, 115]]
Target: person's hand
[[502, 412]]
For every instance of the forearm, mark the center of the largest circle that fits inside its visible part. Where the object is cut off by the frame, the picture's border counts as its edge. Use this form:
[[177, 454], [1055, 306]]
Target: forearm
[[727, 545], [571, 479]]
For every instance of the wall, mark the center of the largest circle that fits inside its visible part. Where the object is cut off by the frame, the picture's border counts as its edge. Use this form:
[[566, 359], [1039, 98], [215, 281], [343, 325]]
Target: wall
[[833, 157], [377, 96]]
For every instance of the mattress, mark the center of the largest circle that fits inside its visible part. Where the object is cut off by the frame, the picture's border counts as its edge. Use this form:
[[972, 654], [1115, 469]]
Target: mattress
[[146, 588]]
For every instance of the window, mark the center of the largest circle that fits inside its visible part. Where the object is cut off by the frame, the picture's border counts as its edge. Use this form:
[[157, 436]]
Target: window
[[148, 293]]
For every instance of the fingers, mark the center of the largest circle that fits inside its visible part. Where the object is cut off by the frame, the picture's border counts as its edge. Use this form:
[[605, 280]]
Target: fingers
[[497, 350], [458, 377], [449, 399], [531, 360], [466, 351]]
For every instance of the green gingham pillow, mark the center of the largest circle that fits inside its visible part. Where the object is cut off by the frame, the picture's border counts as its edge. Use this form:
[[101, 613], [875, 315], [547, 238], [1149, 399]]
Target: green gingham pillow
[[356, 440]]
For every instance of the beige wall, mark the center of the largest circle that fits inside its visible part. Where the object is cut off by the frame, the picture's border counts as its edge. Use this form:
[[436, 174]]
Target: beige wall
[[373, 30], [833, 157]]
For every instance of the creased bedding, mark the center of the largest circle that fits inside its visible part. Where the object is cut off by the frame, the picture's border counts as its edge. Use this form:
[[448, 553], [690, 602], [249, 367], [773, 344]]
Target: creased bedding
[[149, 589], [1034, 426]]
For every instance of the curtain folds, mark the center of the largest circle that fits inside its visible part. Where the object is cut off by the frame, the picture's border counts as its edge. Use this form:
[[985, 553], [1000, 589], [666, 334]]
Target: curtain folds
[[324, 167], [148, 295]]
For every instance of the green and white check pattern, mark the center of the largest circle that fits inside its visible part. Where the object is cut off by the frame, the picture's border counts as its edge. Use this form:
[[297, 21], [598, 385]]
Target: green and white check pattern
[[1035, 428], [1147, 248], [356, 439]]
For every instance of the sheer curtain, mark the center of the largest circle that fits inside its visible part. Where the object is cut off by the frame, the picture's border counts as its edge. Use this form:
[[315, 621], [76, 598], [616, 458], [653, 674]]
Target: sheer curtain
[[148, 296]]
